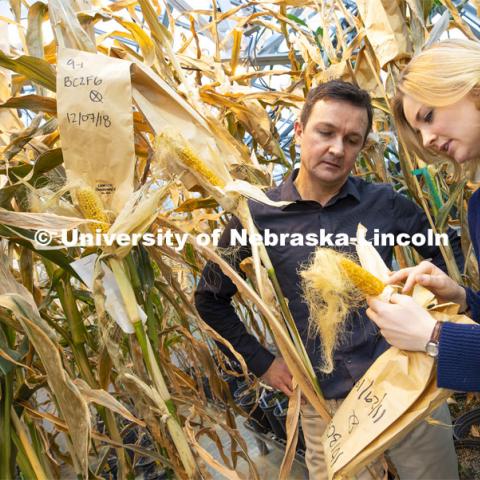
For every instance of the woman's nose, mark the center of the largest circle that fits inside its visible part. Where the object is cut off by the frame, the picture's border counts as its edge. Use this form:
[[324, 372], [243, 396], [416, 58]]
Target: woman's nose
[[428, 138]]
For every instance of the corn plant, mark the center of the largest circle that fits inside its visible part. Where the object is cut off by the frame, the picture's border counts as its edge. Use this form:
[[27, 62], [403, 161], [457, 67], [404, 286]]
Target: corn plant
[[75, 383]]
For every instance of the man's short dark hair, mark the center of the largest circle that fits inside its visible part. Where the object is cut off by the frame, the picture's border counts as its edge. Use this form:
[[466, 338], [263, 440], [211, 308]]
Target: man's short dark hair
[[338, 90]]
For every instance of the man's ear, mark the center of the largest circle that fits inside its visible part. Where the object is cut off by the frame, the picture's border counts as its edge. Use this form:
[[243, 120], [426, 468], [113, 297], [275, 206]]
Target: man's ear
[[298, 128]]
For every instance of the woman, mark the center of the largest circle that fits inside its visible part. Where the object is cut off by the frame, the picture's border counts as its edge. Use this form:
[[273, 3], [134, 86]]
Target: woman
[[437, 113]]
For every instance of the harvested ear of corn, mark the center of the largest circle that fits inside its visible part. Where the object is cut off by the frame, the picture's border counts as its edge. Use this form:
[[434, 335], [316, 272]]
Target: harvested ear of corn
[[333, 286], [92, 208], [367, 283]]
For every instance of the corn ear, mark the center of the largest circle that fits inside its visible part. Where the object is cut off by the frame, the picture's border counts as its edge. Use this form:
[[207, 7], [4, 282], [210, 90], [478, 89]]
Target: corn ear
[[367, 283], [189, 158], [92, 208]]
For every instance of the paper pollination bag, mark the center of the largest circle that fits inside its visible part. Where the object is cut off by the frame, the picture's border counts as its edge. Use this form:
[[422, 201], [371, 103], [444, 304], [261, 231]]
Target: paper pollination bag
[[95, 118]]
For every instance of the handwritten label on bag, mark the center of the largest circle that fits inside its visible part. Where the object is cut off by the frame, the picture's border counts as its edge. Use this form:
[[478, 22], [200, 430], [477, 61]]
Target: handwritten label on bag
[[94, 105], [387, 390]]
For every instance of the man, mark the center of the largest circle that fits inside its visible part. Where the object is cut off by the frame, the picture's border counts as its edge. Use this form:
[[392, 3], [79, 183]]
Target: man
[[332, 130]]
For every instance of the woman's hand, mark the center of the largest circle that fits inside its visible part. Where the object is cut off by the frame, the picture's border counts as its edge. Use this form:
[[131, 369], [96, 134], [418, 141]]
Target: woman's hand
[[402, 322], [431, 277]]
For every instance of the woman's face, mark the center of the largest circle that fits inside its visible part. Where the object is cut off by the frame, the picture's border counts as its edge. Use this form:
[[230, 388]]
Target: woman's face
[[453, 130]]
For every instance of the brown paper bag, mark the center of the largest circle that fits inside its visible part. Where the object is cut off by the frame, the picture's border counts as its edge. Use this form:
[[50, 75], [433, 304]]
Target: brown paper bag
[[95, 121], [431, 398], [395, 394]]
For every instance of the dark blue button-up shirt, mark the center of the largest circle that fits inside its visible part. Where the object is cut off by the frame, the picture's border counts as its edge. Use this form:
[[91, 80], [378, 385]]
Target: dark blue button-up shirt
[[376, 206]]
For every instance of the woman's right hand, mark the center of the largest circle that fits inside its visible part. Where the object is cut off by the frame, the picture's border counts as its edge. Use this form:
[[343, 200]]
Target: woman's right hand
[[431, 277]]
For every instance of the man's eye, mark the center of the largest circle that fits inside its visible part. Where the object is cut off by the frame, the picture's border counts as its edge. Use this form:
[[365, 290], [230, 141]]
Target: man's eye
[[324, 132], [354, 141]]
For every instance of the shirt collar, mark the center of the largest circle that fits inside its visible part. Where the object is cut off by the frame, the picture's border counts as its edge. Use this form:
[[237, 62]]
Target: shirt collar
[[288, 191]]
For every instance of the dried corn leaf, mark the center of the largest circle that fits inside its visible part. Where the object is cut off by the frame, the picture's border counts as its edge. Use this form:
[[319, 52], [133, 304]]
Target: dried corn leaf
[[73, 407], [386, 29], [291, 426], [258, 123], [440, 27], [137, 215], [142, 38], [459, 22], [208, 457], [102, 397], [163, 40], [35, 69], [282, 338], [37, 14], [68, 31], [174, 428], [163, 106], [416, 8], [9, 120], [334, 71], [365, 75], [294, 3], [40, 221], [35, 103]]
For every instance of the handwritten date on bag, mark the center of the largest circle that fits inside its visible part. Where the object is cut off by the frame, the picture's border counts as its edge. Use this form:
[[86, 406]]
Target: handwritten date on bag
[[377, 411], [97, 119]]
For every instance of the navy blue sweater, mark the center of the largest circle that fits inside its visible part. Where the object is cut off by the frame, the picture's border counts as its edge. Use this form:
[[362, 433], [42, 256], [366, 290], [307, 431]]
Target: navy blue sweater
[[459, 354]]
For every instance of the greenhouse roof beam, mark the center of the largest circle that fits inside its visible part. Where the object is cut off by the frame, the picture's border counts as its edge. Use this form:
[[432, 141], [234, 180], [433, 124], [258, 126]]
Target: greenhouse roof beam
[[183, 6], [272, 44], [469, 13], [266, 60]]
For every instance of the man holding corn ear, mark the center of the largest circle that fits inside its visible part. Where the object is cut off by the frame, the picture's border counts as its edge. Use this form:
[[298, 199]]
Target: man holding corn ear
[[332, 130]]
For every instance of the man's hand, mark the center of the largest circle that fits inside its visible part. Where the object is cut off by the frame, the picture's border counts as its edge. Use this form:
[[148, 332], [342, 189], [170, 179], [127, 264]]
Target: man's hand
[[278, 376], [431, 277]]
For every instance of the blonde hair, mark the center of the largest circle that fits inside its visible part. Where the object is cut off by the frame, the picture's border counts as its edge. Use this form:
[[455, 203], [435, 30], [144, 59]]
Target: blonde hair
[[440, 75]]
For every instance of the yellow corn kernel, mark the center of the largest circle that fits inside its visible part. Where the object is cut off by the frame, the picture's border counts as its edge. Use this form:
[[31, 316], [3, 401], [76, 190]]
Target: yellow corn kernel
[[92, 208], [189, 159], [367, 283]]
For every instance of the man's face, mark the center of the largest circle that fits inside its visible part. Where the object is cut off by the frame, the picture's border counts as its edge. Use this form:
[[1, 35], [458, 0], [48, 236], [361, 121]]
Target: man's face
[[331, 140]]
